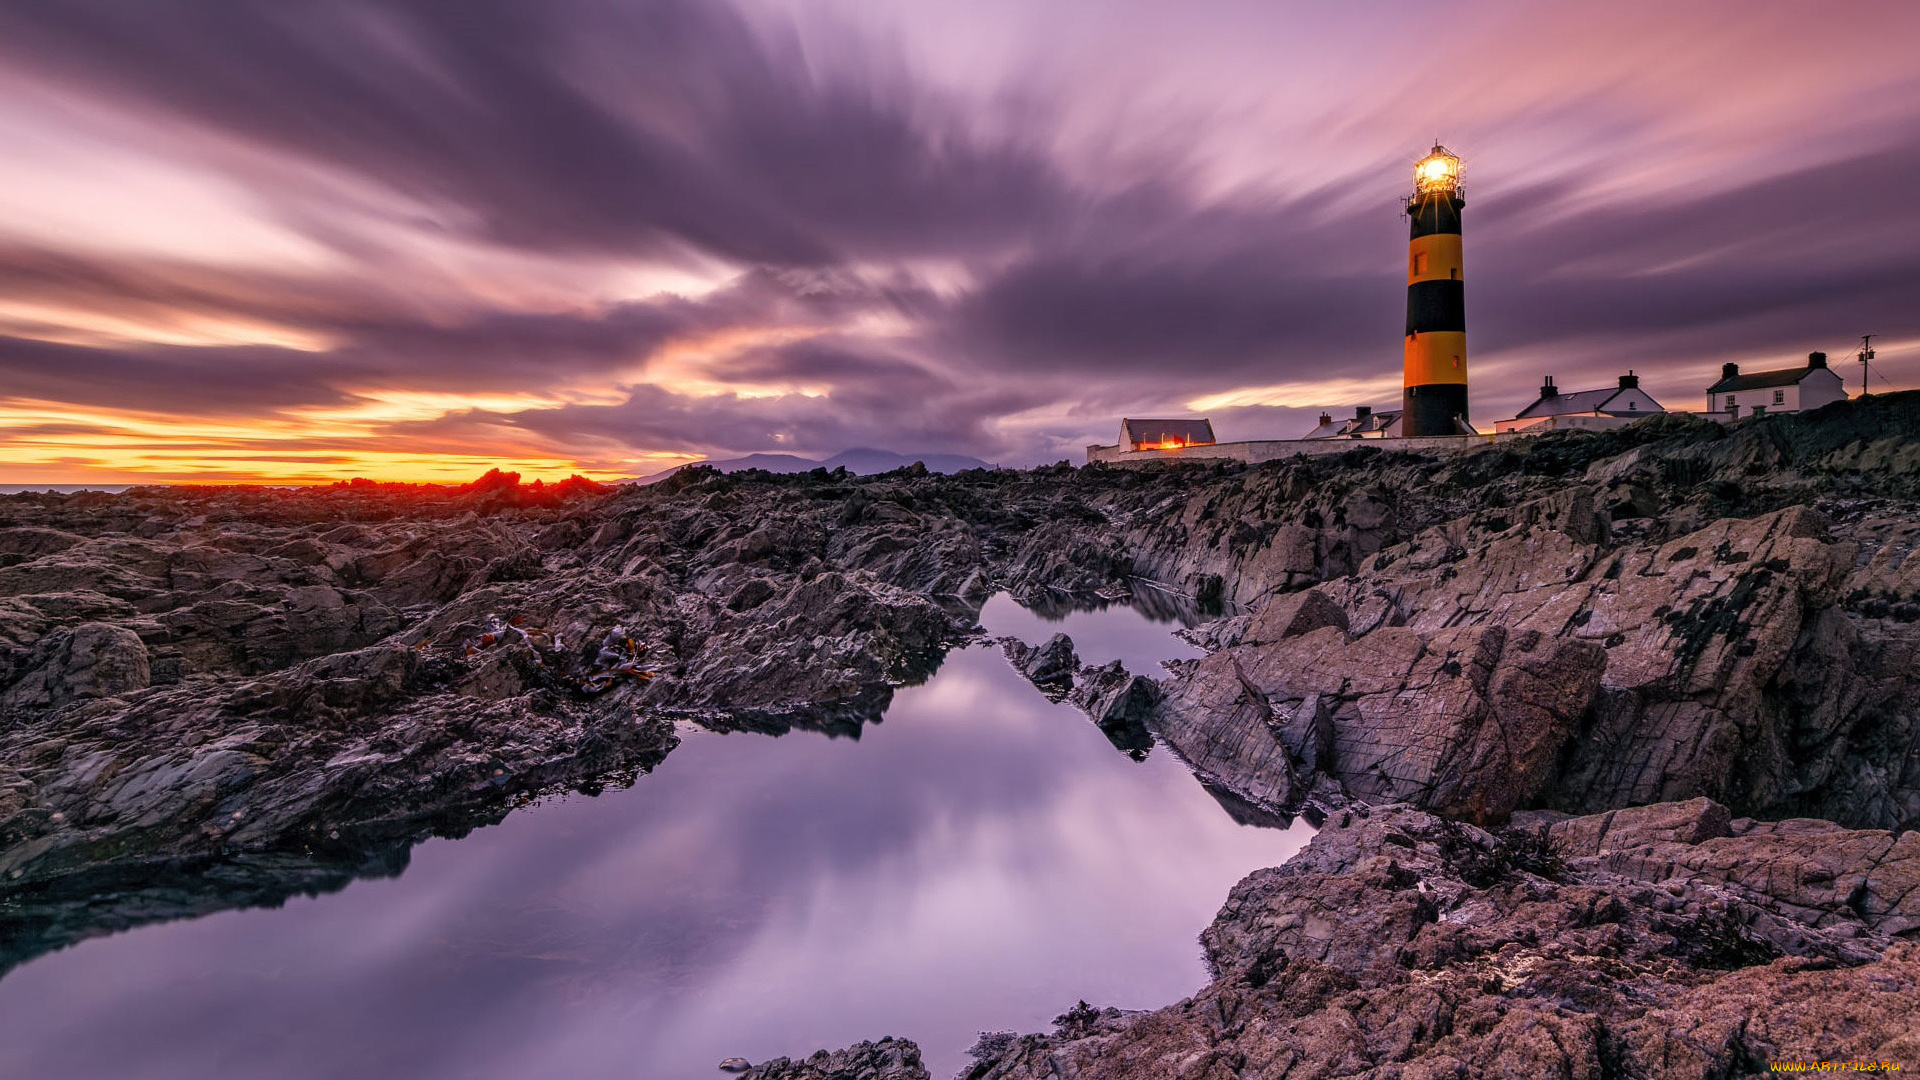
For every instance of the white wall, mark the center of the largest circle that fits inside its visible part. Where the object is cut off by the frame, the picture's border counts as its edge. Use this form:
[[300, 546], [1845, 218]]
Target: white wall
[[1818, 387], [1633, 400], [1540, 425], [1823, 387]]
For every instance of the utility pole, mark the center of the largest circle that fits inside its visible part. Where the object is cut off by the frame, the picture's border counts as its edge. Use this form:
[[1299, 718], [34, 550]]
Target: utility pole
[[1866, 356]]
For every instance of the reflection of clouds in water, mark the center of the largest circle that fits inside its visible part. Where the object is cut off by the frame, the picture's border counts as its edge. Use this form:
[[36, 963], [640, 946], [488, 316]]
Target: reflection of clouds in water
[[1098, 637], [980, 859], [1093, 873]]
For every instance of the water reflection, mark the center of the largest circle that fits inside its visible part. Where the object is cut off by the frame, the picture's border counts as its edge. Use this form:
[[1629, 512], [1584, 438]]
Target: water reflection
[[979, 860], [1115, 633]]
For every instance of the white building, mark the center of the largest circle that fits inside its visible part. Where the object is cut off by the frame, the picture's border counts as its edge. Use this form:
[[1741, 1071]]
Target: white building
[[1784, 390], [1609, 407], [1164, 434], [1366, 424]]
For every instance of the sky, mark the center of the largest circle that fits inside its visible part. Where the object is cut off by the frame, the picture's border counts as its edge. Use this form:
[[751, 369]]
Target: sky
[[416, 239]]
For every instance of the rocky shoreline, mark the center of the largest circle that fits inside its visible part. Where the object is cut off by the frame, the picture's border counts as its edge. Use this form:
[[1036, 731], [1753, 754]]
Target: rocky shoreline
[[1670, 666], [1660, 941]]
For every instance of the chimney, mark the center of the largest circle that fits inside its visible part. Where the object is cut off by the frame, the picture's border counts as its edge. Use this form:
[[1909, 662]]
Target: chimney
[[1729, 371], [1325, 419], [1629, 381], [1816, 359], [1361, 412], [1547, 389]]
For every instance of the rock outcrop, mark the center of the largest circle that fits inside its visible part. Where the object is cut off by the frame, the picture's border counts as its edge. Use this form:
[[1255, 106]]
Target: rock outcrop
[[887, 1059], [92, 660], [206, 688], [212, 697], [1400, 944], [1537, 652]]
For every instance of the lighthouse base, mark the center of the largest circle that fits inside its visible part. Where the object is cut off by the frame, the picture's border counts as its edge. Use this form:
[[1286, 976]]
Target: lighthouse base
[[1431, 409]]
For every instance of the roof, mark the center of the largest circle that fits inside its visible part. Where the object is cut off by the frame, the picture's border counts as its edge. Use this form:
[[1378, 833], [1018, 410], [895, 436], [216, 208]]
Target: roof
[[1190, 432], [1379, 421], [1580, 401], [1604, 400], [1760, 380], [1355, 426]]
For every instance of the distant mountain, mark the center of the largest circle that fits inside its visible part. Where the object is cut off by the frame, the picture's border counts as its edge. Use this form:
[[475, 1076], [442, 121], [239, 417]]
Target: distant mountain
[[864, 461]]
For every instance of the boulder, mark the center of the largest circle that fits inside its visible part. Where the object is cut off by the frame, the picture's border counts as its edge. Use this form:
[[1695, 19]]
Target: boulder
[[1050, 667], [1467, 721], [1292, 614], [92, 660]]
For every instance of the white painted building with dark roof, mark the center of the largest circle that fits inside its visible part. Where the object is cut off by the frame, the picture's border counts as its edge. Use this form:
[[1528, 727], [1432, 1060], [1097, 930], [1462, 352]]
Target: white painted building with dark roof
[[1777, 391], [1607, 407], [1364, 424]]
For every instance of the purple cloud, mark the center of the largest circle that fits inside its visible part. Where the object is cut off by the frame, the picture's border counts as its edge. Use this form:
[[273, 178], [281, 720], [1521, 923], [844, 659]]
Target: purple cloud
[[867, 243]]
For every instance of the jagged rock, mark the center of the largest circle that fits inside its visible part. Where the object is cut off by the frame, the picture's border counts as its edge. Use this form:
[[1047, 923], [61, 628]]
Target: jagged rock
[[1306, 729], [22, 544], [1694, 630], [1051, 667], [1236, 745], [1114, 696], [1808, 870], [1687, 822], [1398, 944], [1115, 699], [1467, 721], [318, 661], [1119, 702], [1292, 614], [1218, 633], [887, 1059], [93, 660], [1722, 649]]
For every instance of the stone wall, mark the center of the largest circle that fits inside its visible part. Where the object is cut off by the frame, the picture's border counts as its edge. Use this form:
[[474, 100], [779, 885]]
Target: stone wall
[[1258, 451]]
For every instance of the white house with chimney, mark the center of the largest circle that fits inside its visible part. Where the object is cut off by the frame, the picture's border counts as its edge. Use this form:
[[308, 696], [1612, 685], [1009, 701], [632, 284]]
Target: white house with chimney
[[1608, 407], [1783, 390], [1365, 424]]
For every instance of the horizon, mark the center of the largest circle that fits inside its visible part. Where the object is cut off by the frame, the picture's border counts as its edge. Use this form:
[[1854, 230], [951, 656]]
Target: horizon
[[257, 244], [517, 477]]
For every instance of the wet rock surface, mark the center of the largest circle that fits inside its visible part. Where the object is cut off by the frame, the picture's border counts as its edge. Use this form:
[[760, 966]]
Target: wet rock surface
[[887, 1059], [1402, 944], [218, 697], [1755, 644], [1677, 661]]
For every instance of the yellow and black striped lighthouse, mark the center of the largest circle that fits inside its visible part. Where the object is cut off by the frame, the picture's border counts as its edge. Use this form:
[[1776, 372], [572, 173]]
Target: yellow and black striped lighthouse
[[1435, 399]]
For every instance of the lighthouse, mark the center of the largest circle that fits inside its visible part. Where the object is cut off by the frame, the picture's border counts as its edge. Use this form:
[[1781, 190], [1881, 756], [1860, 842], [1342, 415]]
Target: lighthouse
[[1435, 398]]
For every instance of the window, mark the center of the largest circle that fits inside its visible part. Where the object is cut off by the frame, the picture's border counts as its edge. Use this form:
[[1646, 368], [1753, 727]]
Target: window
[[1731, 407], [1633, 406], [1419, 263], [1779, 397], [1454, 273]]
